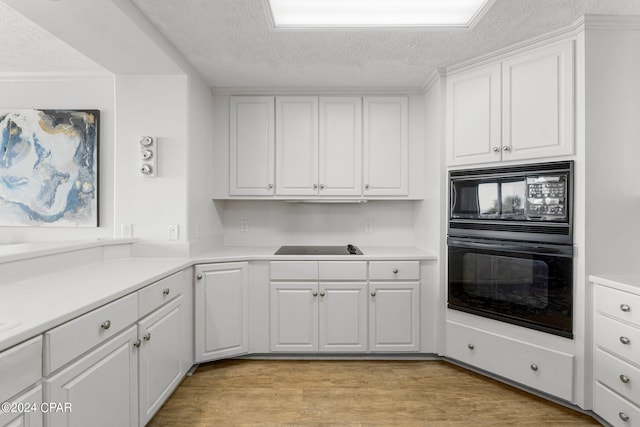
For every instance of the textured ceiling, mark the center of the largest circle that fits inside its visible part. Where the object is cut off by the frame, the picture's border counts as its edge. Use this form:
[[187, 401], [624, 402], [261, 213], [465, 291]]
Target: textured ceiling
[[231, 43], [25, 47]]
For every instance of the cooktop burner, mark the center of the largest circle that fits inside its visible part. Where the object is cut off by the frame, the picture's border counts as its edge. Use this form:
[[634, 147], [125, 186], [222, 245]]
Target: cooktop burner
[[319, 250]]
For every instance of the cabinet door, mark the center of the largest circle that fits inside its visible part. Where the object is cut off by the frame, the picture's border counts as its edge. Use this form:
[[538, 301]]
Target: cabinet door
[[101, 387], [340, 155], [394, 316], [297, 145], [32, 417], [221, 311], [160, 357], [538, 104], [343, 317], [386, 146], [473, 116], [294, 316], [252, 149]]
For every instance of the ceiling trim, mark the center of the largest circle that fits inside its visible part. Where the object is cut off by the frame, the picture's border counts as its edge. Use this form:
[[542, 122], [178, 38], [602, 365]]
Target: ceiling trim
[[316, 90], [612, 22], [61, 76]]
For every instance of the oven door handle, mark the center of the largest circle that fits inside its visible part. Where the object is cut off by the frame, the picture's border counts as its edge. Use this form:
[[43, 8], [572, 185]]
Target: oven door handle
[[523, 248]]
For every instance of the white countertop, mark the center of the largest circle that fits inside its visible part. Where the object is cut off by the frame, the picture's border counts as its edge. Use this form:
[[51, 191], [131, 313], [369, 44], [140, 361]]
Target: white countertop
[[625, 282], [44, 302]]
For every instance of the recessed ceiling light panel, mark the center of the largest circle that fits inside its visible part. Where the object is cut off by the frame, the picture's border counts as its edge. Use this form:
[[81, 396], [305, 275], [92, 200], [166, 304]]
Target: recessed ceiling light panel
[[302, 14]]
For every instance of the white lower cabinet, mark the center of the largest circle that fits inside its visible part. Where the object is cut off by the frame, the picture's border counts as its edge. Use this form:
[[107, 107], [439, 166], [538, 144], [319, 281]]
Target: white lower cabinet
[[101, 388], [160, 357], [294, 317], [343, 317], [394, 316], [534, 366], [25, 410], [616, 355], [221, 310]]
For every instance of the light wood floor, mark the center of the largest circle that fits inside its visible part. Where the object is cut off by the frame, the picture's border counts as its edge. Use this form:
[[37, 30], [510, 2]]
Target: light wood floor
[[353, 393]]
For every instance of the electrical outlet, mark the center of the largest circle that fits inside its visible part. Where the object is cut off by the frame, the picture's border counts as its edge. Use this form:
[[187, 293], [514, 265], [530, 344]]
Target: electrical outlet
[[173, 232], [126, 231], [368, 226], [244, 226]]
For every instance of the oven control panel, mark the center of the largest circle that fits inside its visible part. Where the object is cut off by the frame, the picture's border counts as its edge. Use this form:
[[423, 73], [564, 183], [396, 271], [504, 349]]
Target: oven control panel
[[547, 196]]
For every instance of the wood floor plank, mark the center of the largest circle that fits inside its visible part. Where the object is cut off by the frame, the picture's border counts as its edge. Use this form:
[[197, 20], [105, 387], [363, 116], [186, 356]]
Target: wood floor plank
[[353, 393]]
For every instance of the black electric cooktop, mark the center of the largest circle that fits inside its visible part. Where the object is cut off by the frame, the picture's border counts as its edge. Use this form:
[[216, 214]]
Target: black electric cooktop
[[319, 250]]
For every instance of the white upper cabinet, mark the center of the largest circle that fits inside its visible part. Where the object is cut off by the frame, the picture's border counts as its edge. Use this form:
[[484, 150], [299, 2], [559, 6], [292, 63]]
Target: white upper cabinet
[[386, 146], [473, 116], [340, 150], [252, 149], [518, 109], [538, 103], [297, 145]]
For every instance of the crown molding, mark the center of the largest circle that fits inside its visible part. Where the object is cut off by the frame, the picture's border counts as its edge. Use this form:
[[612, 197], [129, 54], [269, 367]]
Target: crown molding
[[316, 90], [612, 22], [60, 76]]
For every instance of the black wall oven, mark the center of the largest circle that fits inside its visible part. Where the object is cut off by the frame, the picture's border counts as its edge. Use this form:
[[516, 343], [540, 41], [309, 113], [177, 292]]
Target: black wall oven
[[510, 245]]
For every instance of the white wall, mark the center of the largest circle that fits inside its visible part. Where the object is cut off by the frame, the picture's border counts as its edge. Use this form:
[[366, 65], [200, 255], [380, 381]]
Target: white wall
[[154, 106], [613, 151], [71, 92]]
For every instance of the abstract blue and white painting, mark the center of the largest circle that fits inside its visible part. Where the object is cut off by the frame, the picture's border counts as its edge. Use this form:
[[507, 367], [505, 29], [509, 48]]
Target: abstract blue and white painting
[[49, 167]]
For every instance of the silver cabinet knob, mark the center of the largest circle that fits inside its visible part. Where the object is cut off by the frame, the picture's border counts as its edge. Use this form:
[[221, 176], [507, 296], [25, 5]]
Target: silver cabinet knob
[[145, 170], [495, 149], [395, 271], [147, 337], [137, 343], [314, 293], [625, 379], [373, 293], [315, 186], [270, 186], [366, 186], [625, 340], [506, 148], [106, 324], [321, 293], [471, 346], [534, 367], [166, 291], [625, 307], [322, 186], [199, 277], [623, 416]]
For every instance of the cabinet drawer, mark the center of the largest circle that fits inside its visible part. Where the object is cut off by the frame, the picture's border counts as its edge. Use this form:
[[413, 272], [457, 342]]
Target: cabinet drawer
[[294, 270], [619, 304], [160, 292], [618, 375], [70, 340], [618, 338], [541, 368], [342, 270], [20, 367], [614, 409], [394, 270]]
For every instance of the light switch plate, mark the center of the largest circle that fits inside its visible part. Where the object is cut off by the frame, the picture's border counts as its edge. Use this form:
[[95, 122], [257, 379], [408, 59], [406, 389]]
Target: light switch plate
[[244, 225], [368, 226]]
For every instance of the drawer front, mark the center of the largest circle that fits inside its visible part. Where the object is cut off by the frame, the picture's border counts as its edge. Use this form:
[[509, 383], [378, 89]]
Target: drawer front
[[614, 409], [294, 270], [70, 340], [394, 270], [343, 270], [618, 338], [618, 304], [160, 292], [541, 368], [20, 367], [618, 375]]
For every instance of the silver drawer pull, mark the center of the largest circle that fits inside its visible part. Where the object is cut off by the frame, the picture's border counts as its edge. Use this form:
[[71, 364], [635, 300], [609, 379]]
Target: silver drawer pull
[[314, 293], [625, 307], [625, 340], [137, 343], [625, 379], [165, 292], [395, 271], [199, 277], [623, 416], [321, 293], [534, 367], [373, 293], [147, 337], [471, 346], [106, 324]]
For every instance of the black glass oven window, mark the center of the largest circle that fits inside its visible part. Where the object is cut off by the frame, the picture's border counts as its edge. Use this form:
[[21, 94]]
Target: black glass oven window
[[506, 279]]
